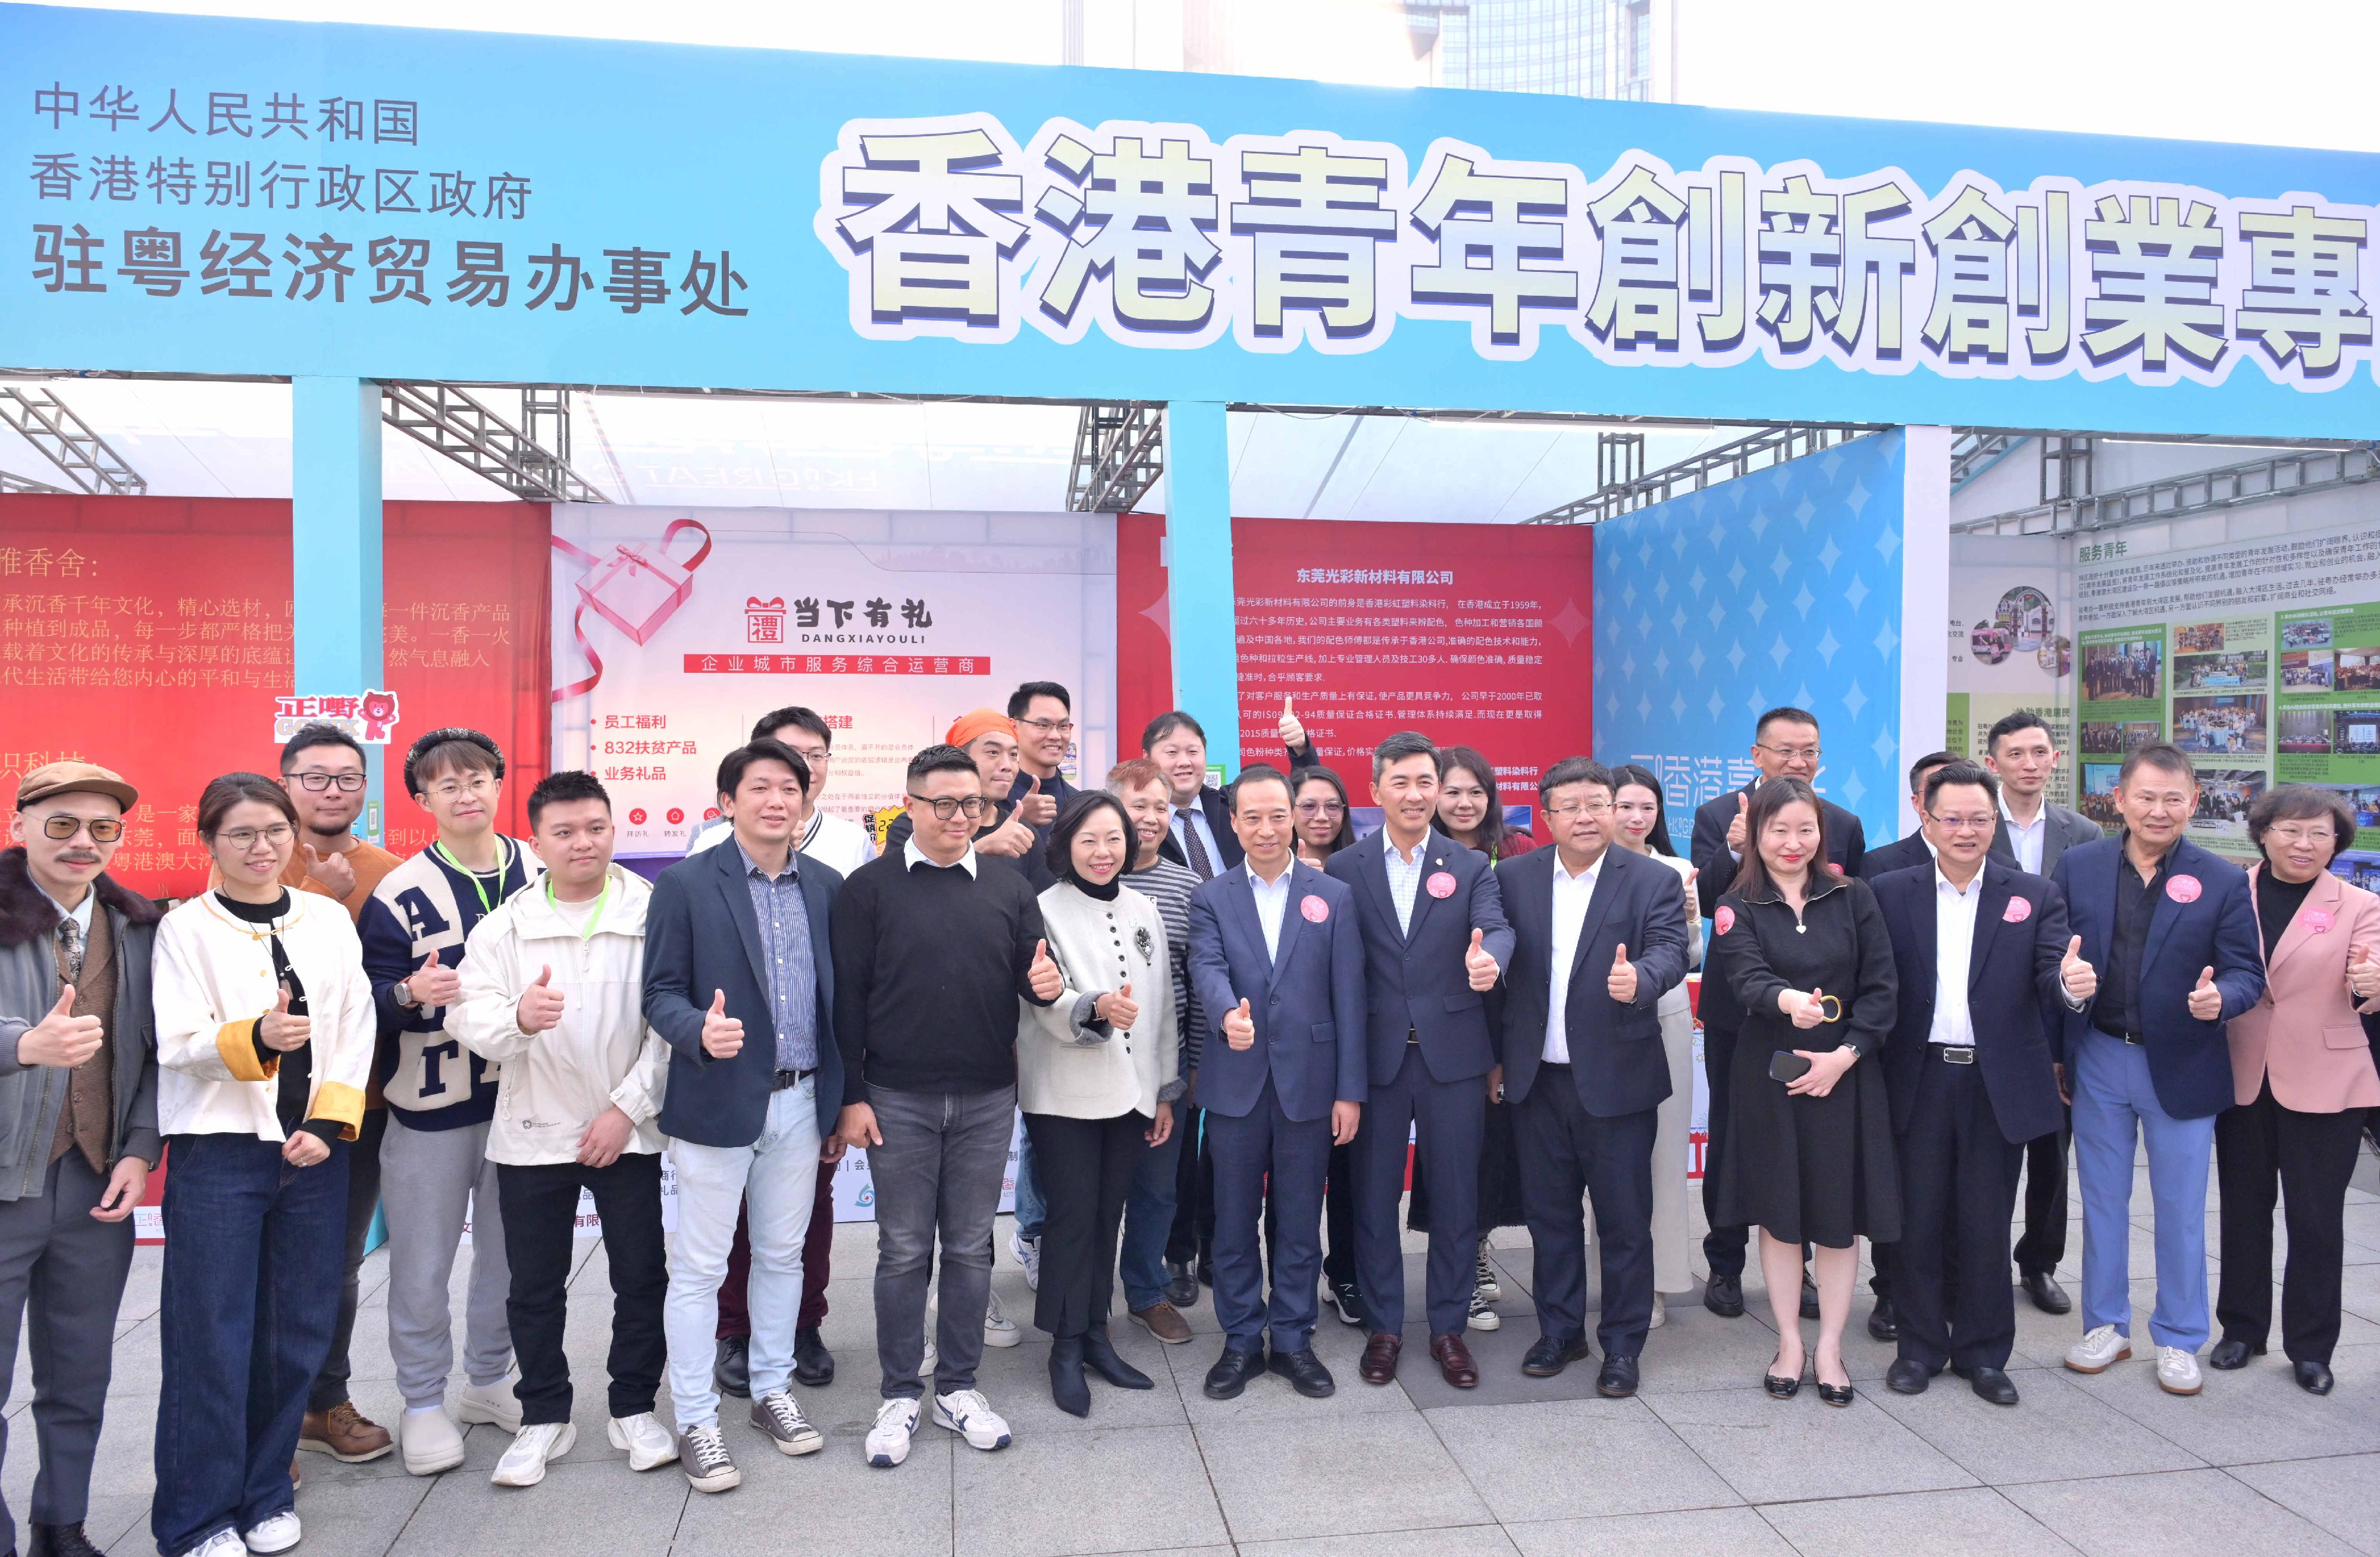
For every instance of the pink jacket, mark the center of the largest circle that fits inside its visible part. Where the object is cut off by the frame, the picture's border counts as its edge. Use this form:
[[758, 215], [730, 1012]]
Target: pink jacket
[[2304, 1032]]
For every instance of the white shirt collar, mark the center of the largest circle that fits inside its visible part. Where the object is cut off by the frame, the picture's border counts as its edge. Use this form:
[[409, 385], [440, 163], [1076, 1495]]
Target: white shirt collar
[[1280, 884], [1943, 884], [912, 857], [1390, 845], [2009, 816], [80, 915], [1592, 872]]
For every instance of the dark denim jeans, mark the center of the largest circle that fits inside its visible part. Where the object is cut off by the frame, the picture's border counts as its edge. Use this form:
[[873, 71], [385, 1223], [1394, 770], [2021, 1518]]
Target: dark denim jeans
[[938, 1173], [1149, 1220], [255, 1252]]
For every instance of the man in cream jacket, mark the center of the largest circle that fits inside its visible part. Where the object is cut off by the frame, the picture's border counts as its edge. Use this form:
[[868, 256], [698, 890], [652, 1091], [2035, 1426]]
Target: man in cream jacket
[[553, 984]]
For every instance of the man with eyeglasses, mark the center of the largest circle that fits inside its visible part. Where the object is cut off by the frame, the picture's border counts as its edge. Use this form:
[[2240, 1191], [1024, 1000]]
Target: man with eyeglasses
[[79, 1115], [1986, 982], [1784, 745], [1044, 716]]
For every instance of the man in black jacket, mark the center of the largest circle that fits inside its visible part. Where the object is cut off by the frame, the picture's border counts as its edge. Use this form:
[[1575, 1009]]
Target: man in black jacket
[[1913, 847]]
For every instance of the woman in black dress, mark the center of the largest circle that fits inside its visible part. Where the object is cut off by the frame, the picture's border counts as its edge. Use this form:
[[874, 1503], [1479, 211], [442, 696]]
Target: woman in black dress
[[1805, 949]]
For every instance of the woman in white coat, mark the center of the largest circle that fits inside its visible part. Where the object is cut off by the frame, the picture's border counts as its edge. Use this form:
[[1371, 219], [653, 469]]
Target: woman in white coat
[[1639, 808], [1095, 1079]]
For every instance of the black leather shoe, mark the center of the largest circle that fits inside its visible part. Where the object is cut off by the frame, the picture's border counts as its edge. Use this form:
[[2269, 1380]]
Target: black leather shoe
[[1549, 1356], [1907, 1376], [813, 1364], [1809, 1297], [1882, 1322], [2229, 1354], [1233, 1372], [68, 1540], [1067, 1385], [1098, 1351], [2046, 1295], [1616, 1380], [1780, 1387], [1305, 1373], [1834, 1394], [731, 1370], [1205, 1270], [1181, 1286], [1990, 1384], [2312, 1377], [1724, 1296]]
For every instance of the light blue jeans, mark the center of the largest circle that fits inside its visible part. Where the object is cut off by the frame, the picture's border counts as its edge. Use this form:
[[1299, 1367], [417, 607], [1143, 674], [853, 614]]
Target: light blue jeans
[[1031, 1208], [2115, 1108]]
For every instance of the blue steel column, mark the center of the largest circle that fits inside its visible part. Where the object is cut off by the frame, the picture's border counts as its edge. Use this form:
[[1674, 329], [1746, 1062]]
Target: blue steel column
[[336, 551], [1198, 566]]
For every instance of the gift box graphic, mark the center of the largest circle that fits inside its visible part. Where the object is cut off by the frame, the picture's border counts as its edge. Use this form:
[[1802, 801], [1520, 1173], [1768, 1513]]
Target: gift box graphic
[[637, 588]]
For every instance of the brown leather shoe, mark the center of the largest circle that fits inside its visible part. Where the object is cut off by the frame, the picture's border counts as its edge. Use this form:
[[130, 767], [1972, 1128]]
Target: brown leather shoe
[[1454, 1361], [344, 1433], [1163, 1321], [1380, 1364]]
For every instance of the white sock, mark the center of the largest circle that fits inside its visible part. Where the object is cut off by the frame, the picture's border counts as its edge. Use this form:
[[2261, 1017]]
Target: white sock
[[422, 1410]]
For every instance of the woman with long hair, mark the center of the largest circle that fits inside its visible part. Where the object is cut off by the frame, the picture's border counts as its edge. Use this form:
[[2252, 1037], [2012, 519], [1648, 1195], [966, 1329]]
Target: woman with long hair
[[1323, 821], [1471, 810]]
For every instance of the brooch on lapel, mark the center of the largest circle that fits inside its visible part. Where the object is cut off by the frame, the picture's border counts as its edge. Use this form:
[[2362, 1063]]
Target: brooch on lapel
[[1145, 943], [1314, 908], [1724, 918], [2183, 889], [1442, 884], [2017, 911], [2318, 921]]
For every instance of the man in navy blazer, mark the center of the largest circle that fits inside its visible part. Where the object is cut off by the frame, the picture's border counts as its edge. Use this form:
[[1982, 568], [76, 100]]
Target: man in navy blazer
[[1971, 1069], [2169, 934], [1279, 972], [1598, 937], [1435, 942], [1915, 847], [739, 981]]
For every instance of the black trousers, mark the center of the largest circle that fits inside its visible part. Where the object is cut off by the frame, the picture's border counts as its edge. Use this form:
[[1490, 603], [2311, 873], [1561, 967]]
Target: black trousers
[[1086, 1167], [2308, 1158], [1723, 1246], [1569, 1156], [1194, 1189], [2043, 1247], [1957, 1191], [541, 1207], [363, 1204]]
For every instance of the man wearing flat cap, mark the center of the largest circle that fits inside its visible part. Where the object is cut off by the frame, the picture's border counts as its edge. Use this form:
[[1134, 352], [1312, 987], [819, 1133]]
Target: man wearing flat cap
[[78, 1112]]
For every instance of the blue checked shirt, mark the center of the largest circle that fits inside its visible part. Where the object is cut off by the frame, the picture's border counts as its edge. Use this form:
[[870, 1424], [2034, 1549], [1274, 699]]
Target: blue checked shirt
[[785, 957], [1404, 877]]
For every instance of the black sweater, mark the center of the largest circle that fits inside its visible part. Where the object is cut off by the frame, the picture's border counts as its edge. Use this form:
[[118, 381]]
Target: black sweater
[[929, 966]]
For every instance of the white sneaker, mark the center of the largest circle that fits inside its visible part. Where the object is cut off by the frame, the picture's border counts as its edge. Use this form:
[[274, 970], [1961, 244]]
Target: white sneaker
[[1660, 1313], [430, 1442], [1483, 1311], [887, 1441], [278, 1533], [1029, 1254], [223, 1543], [524, 1462], [967, 1413], [649, 1444], [2100, 1349], [493, 1406], [1484, 1280], [999, 1330], [2178, 1372]]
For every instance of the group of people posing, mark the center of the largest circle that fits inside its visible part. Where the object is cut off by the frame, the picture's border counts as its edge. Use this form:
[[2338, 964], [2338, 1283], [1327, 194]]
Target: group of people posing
[[1229, 1024]]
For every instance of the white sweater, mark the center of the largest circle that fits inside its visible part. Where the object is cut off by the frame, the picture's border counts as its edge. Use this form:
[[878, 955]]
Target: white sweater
[[1068, 1065], [551, 1084], [213, 977]]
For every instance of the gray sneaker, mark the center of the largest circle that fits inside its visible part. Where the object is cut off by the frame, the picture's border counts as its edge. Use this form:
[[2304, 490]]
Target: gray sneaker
[[702, 1454], [777, 1415]]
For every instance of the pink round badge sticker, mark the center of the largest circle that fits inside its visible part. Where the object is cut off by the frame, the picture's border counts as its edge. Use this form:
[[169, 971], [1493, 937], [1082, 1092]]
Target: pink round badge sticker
[[1442, 884], [1725, 919], [2183, 889], [1315, 910], [2017, 911], [2318, 921]]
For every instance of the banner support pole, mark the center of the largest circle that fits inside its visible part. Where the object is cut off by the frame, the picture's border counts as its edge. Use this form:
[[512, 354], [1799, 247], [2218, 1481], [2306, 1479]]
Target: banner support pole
[[335, 553], [1204, 608]]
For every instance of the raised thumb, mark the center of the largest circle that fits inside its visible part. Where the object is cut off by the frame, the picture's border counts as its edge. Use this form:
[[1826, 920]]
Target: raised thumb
[[282, 1004], [1285, 711], [313, 857], [1620, 957], [64, 1006], [2359, 953], [1742, 803], [1041, 951], [1244, 1006], [1126, 991], [544, 976], [429, 963], [2074, 948], [719, 1003], [1033, 784], [2206, 977], [1816, 993], [1476, 936]]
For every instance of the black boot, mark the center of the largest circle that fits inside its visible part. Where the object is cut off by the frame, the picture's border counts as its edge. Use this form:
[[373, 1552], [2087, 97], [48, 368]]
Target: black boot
[[1067, 1386], [60, 1541], [1099, 1351]]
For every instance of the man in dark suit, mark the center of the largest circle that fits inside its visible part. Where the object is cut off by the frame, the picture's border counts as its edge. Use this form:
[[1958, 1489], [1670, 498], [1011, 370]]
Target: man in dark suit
[[1784, 745], [1971, 1070], [2169, 934], [739, 981], [1435, 942], [2034, 835], [1274, 949], [1598, 937]]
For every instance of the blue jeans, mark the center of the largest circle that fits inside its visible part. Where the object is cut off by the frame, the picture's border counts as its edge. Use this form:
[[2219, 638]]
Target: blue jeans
[[255, 1256], [1032, 1211], [2115, 1105], [1148, 1220]]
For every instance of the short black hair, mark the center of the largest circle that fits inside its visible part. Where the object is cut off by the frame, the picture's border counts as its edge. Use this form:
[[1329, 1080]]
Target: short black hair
[[941, 759], [322, 732], [800, 718], [1575, 770], [2011, 723], [1058, 852], [732, 767], [1397, 748], [1960, 770], [1165, 725], [559, 789], [1021, 700], [1785, 716], [1258, 772], [435, 752], [2161, 755], [1931, 759]]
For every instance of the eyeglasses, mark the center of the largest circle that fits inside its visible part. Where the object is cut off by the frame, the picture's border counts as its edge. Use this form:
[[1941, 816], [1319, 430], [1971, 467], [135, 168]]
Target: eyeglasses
[[1320, 807], [1050, 727], [2291, 836], [245, 838], [1592, 808], [1964, 823], [971, 807], [815, 759], [347, 784], [1804, 753], [103, 830], [451, 789]]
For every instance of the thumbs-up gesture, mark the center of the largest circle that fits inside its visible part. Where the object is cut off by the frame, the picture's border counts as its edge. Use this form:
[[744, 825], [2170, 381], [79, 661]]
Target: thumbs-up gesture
[[330, 871], [1479, 964], [1043, 976], [1117, 1008], [60, 1039], [540, 1004], [1293, 732], [433, 983], [1811, 1010], [1735, 829], [1033, 807], [2362, 972], [2081, 978], [1623, 980], [1240, 1027], [722, 1036], [2206, 1000], [282, 1032]]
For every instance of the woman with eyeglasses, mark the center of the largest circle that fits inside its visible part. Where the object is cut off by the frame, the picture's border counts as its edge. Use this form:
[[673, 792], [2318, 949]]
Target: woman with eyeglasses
[[1803, 948], [1324, 826], [2303, 1072], [1642, 823], [265, 1029]]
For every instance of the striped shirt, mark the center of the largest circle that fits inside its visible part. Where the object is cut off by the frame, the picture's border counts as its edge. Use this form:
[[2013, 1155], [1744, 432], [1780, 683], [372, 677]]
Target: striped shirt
[[786, 957], [1169, 886]]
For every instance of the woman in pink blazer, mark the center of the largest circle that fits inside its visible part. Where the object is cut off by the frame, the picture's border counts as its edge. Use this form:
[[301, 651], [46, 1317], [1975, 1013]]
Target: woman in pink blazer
[[2303, 1073]]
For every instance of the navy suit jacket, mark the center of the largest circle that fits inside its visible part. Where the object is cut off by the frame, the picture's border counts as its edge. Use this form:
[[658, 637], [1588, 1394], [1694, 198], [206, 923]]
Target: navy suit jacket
[[1846, 847], [702, 936], [2016, 1002], [1308, 1003], [1416, 979], [1616, 1057], [1219, 822], [2065, 830], [2190, 1060], [1898, 855]]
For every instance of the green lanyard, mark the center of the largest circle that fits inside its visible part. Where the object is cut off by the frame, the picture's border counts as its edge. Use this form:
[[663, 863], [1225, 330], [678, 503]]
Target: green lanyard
[[593, 919], [503, 868]]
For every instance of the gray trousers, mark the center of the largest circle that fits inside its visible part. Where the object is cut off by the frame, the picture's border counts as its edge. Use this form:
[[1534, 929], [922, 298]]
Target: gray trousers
[[431, 1182], [940, 1171], [69, 1269]]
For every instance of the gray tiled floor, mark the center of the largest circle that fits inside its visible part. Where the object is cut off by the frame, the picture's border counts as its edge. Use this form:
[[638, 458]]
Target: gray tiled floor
[[1700, 1460]]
